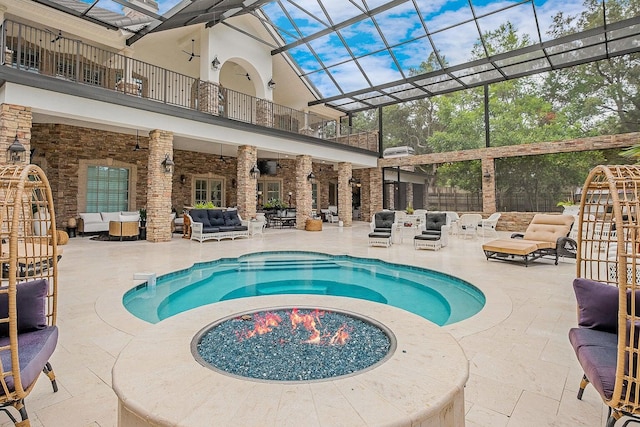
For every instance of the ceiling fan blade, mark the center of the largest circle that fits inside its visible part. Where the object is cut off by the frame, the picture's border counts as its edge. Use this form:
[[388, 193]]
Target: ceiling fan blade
[[190, 58]]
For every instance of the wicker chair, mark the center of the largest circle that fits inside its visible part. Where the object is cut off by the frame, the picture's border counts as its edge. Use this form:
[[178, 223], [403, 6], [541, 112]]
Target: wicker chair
[[607, 291], [28, 294]]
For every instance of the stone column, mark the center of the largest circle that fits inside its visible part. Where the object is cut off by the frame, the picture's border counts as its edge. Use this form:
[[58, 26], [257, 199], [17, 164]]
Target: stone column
[[159, 184], [247, 186], [264, 113], [391, 195], [15, 120], [304, 166], [488, 186], [208, 97], [345, 195], [370, 192]]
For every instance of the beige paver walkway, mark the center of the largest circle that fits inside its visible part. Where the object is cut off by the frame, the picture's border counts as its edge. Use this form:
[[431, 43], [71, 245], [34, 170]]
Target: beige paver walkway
[[522, 369]]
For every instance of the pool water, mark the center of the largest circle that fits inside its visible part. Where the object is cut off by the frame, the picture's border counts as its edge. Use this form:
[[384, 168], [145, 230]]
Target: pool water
[[438, 297]]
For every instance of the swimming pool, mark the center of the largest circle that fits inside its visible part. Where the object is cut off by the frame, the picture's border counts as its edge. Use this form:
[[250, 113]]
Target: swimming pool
[[436, 296]]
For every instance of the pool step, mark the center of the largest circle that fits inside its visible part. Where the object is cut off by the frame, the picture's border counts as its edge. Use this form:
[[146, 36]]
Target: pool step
[[286, 265], [288, 289]]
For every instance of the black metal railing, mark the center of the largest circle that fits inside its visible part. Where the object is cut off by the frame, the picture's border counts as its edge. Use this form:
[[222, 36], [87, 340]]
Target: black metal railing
[[53, 54]]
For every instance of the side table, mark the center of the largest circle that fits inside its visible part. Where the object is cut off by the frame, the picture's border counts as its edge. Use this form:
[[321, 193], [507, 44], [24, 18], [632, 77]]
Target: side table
[[143, 233], [71, 231]]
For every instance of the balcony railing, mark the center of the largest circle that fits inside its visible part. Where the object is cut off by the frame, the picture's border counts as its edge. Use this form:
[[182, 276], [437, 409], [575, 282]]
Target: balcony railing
[[44, 52]]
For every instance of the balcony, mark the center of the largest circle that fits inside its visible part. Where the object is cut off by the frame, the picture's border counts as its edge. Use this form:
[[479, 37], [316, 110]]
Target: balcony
[[34, 50]]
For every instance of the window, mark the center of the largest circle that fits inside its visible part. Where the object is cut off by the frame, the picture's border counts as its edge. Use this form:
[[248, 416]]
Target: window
[[271, 189], [314, 196], [107, 189], [209, 190]]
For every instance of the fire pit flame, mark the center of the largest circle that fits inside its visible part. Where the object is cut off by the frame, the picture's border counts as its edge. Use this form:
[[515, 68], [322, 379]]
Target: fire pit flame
[[264, 324]]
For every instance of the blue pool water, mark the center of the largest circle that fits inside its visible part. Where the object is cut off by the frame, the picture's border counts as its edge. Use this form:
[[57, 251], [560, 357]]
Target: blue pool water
[[438, 297]]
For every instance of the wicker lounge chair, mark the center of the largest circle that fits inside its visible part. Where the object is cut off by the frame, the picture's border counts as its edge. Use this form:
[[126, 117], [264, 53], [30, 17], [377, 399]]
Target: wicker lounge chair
[[435, 232], [28, 295], [546, 235], [607, 339]]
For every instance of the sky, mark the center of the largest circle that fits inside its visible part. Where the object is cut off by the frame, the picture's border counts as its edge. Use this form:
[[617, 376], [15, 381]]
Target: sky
[[450, 24]]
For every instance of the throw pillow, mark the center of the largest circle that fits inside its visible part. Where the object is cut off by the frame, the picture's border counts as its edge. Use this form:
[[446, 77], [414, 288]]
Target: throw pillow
[[597, 305], [30, 305]]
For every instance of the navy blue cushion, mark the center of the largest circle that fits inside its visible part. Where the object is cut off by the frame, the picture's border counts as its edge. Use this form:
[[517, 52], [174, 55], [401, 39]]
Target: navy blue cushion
[[435, 221], [597, 354], [210, 229], [34, 350], [384, 219], [382, 230], [430, 237], [231, 219], [200, 215], [30, 306], [216, 217]]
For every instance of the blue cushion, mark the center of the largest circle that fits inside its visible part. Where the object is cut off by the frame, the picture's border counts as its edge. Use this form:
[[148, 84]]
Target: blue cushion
[[435, 221], [231, 219], [30, 306], [384, 219], [216, 217], [34, 350], [200, 215]]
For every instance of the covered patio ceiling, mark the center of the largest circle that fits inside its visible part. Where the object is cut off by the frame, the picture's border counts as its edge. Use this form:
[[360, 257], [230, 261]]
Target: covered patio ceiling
[[357, 55]]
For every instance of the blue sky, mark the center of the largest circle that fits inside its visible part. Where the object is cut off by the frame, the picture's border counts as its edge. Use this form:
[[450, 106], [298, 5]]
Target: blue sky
[[450, 22]]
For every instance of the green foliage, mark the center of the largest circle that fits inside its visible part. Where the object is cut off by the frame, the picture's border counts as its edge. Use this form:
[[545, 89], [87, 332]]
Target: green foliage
[[143, 214], [204, 205], [274, 204]]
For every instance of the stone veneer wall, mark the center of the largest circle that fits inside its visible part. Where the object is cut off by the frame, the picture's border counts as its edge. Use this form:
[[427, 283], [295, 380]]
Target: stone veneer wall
[[303, 191], [371, 193], [366, 140], [345, 203], [247, 186], [159, 183], [15, 120]]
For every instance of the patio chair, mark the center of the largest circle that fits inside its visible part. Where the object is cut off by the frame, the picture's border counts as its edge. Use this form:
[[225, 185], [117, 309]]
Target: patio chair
[[607, 339], [383, 226], [546, 235], [435, 232], [489, 224], [28, 295], [468, 225]]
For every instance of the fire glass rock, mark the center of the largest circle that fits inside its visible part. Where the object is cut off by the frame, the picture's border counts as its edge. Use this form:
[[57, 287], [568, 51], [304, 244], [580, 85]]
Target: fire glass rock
[[293, 345]]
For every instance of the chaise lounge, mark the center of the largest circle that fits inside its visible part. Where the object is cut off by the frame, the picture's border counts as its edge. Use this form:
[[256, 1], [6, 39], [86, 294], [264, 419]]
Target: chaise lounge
[[546, 235]]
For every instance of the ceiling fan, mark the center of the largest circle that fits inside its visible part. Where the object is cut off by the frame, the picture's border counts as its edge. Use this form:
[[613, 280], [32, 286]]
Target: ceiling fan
[[246, 75], [192, 54], [56, 36]]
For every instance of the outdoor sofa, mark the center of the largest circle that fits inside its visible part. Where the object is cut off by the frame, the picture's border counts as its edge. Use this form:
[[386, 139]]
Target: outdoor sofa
[[217, 224], [546, 235]]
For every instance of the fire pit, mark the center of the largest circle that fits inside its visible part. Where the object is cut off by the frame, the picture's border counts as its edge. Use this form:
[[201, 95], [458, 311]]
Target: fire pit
[[293, 344], [421, 381]]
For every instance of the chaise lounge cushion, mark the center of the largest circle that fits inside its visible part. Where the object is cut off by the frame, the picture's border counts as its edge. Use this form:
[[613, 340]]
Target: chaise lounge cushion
[[30, 307], [384, 221]]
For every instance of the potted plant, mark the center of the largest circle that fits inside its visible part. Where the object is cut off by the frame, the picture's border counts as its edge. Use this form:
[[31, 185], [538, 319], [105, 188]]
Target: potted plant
[[409, 209], [570, 207], [204, 205]]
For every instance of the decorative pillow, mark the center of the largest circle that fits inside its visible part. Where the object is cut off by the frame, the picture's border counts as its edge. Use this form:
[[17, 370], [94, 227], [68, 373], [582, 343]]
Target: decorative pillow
[[88, 217], [30, 305], [597, 305]]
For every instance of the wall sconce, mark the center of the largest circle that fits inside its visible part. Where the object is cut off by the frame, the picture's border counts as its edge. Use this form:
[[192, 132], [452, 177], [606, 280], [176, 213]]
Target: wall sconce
[[311, 178], [215, 64], [183, 179], [254, 172], [486, 175], [16, 153], [271, 84], [167, 163], [233, 183], [353, 181], [290, 194]]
